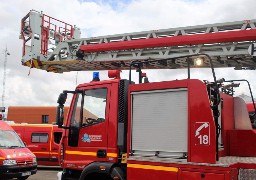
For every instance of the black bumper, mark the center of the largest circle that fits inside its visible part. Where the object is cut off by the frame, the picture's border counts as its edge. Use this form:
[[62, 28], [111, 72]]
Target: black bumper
[[16, 171]]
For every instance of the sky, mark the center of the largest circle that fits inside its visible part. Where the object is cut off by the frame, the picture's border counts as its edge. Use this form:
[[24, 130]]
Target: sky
[[107, 17]]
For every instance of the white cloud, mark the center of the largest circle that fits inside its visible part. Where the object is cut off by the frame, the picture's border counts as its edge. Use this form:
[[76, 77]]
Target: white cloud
[[42, 88]]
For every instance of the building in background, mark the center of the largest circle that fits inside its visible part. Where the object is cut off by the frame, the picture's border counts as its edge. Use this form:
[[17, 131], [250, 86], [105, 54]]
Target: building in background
[[33, 114]]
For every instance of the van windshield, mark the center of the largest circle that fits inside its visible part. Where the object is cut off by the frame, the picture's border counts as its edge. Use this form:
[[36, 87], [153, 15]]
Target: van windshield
[[10, 139]]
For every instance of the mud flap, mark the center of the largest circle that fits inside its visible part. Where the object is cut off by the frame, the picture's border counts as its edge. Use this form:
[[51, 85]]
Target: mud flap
[[117, 172]]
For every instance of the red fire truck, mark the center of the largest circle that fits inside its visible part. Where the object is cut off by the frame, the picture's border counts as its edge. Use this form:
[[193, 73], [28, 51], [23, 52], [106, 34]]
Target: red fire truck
[[179, 129], [42, 139], [16, 161]]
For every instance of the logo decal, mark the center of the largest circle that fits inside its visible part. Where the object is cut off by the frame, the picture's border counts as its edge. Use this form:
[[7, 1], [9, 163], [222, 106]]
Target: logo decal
[[91, 138], [86, 138]]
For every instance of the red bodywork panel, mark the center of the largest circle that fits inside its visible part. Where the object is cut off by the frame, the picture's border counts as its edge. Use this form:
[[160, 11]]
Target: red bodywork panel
[[20, 155], [199, 111], [46, 152], [242, 142], [144, 171], [236, 142], [228, 123], [220, 37], [139, 170], [250, 107]]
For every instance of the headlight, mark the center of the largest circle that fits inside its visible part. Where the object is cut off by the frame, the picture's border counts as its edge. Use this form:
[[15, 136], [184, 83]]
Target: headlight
[[198, 61], [9, 162], [34, 161]]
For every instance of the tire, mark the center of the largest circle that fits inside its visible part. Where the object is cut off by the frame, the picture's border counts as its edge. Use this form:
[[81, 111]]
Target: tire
[[95, 176], [23, 178], [63, 176]]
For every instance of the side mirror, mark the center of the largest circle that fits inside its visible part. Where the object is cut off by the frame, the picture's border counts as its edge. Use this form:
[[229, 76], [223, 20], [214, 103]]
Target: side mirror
[[60, 115], [62, 98]]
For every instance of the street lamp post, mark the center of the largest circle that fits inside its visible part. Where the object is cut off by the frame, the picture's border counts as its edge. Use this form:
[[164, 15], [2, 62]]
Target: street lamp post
[[6, 53]]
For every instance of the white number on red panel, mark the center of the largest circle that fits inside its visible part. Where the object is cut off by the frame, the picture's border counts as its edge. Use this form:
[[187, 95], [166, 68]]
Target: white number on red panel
[[202, 133]]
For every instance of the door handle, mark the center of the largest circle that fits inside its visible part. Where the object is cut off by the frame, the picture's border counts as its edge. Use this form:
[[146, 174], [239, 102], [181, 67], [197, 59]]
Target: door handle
[[43, 148], [101, 153]]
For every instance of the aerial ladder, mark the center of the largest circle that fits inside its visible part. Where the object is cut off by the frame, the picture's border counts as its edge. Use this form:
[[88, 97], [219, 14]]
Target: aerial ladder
[[55, 46]]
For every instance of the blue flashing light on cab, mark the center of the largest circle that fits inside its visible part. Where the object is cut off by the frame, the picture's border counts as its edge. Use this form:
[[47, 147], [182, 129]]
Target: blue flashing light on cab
[[96, 76]]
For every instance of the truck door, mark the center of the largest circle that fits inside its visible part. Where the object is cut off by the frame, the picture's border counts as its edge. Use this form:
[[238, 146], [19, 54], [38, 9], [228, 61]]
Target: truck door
[[55, 142], [39, 144], [89, 124]]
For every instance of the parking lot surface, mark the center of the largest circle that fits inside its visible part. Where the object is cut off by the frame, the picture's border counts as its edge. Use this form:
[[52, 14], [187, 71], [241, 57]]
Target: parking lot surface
[[45, 173]]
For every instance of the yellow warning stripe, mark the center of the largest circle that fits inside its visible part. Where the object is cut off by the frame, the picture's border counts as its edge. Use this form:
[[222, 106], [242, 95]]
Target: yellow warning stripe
[[45, 152], [62, 62], [111, 154], [88, 153], [35, 63], [32, 125], [51, 139], [81, 153], [40, 152], [150, 167]]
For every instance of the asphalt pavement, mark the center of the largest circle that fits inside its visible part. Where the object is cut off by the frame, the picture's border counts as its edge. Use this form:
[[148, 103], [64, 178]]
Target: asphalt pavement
[[45, 173]]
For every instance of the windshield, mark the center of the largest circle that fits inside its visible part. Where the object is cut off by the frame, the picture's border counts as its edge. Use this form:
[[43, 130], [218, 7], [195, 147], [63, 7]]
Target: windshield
[[10, 139]]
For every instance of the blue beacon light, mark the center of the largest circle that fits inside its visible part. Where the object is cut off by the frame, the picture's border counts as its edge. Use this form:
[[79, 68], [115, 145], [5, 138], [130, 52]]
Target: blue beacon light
[[96, 76]]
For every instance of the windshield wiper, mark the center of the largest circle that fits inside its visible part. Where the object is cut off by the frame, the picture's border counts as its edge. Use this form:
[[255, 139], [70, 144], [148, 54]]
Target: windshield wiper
[[14, 146], [91, 121]]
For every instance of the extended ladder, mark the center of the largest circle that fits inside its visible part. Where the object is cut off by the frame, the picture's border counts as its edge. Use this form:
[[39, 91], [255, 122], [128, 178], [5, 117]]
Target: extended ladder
[[56, 46]]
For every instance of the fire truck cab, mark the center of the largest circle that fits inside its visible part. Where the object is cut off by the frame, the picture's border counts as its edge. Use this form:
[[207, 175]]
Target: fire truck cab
[[16, 160], [43, 140]]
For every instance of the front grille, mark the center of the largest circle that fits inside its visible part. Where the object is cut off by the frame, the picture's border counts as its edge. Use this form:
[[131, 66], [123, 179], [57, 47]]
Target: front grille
[[247, 174], [24, 163], [18, 169]]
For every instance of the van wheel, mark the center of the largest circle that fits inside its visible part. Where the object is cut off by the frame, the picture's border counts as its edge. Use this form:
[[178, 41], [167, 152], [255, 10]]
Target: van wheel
[[23, 178]]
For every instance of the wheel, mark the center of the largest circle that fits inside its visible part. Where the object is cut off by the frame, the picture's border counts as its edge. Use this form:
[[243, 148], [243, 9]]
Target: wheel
[[63, 176], [95, 176], [23, 178]]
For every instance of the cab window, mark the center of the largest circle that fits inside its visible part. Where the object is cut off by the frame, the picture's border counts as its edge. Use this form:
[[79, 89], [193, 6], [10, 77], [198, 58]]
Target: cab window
[[57, 137], [39, 138], [89, 108], [94, 110]]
